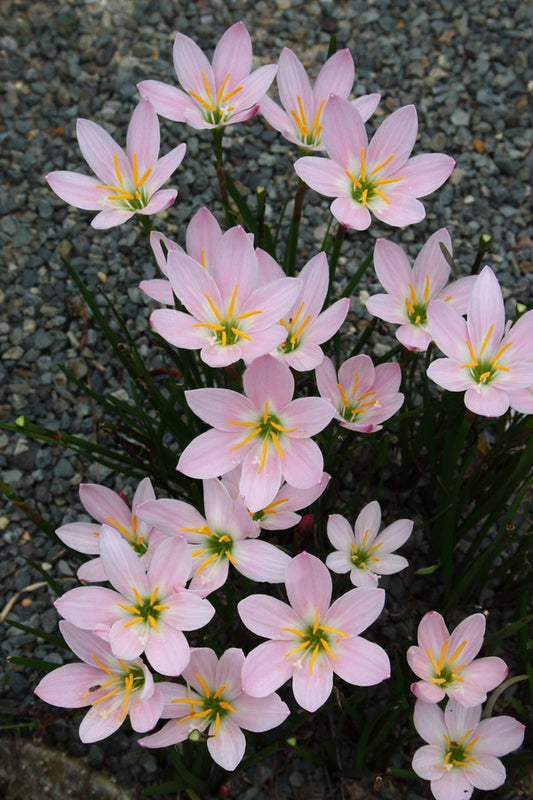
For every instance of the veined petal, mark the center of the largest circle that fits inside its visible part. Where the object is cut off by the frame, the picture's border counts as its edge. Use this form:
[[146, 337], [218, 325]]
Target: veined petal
[[449, 330], [267, 616], [76, 189], [432, 632], [309, 415], [303, 463], [308, 585], [489, 401], [101, 721], [355, 610], [312, 687], [228, 746], [340, 532], [424, 173], [392, 268], [142, 140], [89, 606], [110, 218], [80, 536], [67, 686], [335, 77], [191, 65], [447, 373], [403, 209], [499, 735], [261, 561], [170, 565], [343, 132], [351, 214], [165, 166], [99, 150], [233, 56], [203, 237], [361, 662], [429, 723], [217, 406], [323, 175], [259, 714], [167, 651], [428, 761], [122, 566], [293, 83], [486, 312], [266, 668], [366, 104], [169, 101], [395, 136], [210, 455], [101, 503]]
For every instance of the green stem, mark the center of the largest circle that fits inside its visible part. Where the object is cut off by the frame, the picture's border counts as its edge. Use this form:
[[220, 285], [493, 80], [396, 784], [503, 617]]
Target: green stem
[[218, 134], [292, 240], [337, 245]]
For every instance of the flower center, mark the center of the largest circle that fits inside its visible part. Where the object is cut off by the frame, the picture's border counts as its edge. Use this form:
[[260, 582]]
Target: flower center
[[446, 672], [139, 543], [259, 516], [131, 679], [365, 187], [457, 754], [147, 610], [416, 309], [213, 706], [293, 336], [316, 639], [215, 108], [483, 370], [268, 428], [311, 136], [217, 546], [361, 556], [353, 408], [226, 331], [133, 198]]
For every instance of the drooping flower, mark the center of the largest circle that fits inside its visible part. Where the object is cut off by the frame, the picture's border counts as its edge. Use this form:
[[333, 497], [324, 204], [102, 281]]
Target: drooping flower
[[462, 754], [485, 357], [108, 508], [149, 609], [128, 182], [311, 639], [300, 120], [447, 663], [364, 552], [113, 687], [215, 95], [213, 701], [264, 429], [232, 314], [363, 396], [378, 177], [410, 290], [226, 535]]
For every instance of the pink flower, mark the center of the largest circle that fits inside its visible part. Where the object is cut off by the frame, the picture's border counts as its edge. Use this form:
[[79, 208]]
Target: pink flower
[[215, 95], [485, 357], [378, 177], [227, 535], [264, 429], [112, 687], [149, 610], [300, 120], [462, 754], [446, 662], [128, 182], [232, 313], [108, 508], [361, 551], [214, 701], [410, 290], [363, 396], [203, 236], [311, 639]]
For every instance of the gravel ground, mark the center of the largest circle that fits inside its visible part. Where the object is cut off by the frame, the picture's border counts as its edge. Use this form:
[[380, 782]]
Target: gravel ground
[[465, 67]]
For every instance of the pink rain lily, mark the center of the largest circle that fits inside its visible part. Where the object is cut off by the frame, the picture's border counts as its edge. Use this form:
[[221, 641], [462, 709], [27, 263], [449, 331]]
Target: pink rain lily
[[108, 508], [447, 663], [128, 182], [485, 357], [202, 238], [410, 290], [463, 751], [521, 400], [300, 120], [226, 535], [364, 552], [232, 313], [149, 609], [378, 177], [215, 95], [363, 396], [264, 429], [311, 639], [213, 701], [114, 688]]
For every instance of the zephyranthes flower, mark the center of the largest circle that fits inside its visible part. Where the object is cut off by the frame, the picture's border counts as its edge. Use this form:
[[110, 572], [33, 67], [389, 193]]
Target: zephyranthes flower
[[463, 751], [447, 663], [213, 701], [311, 639], [128, 182], [113, 687], [214, 95], [378, 177]]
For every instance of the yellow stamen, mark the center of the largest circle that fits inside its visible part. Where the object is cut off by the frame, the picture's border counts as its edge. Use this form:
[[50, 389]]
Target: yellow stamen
[[263, 457], [206, 563], [137, 596], [483, 377], [302, 116], [213, 307], [299, 647], [132, 622], [131, 609], [265, 415], [237, 332], [457, 652], [312, 661], [281, 428], [383, 163], [364, 196], [315, 626], [298, 333], [363, 167], [232, 304], [380, 194], [219, 691], [326, 647], [433, 662], [442, 659], [486, 340], [333, 630], [204, 530], [230, 558], [227, 706], [498, 354], [128, 683], [188, 700], [426, 290], [315, 128], [294, 630], [354, 180], [207, 90], [119, 176], [248, 438], [248, 314], [125, 532], [388, 180], [221, 90], [105, 697], [276, 444], [343, 395], [230, 94], [203, 684], [153, 623], [472, 355], [198, 552], [271, 508]]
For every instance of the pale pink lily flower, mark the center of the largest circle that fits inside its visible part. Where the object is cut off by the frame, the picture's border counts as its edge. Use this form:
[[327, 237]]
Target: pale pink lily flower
[[215, 95], [128, 182], [378, 177], [364, 552], [306, 325], [108, 508], [300, 119], [447, 663], [280, 514], [114, 688], [463, 750], [363, 396], [226, 535], [202, 238], [264, 429], [486, 357], [521, 400], [232, 313], [213, 701], [149, 609], [409, 290], [311, 639]]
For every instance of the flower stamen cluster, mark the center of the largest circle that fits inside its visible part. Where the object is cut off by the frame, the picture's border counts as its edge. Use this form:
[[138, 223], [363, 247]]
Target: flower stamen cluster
[[213, 706], [445, 671], [482, 370], [137, 542], [365, 187], [145, 611], [225, 330], [218, 545], [263, 429], [416, 310], [315, 639], [133, 199], [310, 136], [457, 751], [133, 680], [217, 112], [292, 340], [361, 555]]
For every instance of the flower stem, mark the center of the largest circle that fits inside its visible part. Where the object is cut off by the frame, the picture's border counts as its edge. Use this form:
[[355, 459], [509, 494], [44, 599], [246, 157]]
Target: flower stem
[[292, 240], [218, 134]]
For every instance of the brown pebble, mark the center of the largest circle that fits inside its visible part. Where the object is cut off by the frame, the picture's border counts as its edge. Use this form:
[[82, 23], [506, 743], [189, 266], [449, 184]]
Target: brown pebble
[[478, 145], [26, 602]]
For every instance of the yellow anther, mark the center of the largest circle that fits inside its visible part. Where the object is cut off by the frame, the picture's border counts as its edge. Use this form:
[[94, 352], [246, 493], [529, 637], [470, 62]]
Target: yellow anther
[[128, 683], [276, 444], [486, 340], [363, 167], [124, 531], [315, 128], [137, 596], [313, 658], [263, 457], [203, 684], [458, 650], [213, 307], [206, 563], [383, 164], [426, 290]]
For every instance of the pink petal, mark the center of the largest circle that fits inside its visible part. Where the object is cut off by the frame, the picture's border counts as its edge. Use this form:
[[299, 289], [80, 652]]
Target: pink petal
[[354, 611], [101, 721], [368, 522], [99, 150], [432, 632], [170, 566], [267, 616], [447, 373], [293, 83], [344, 134], [144, 714], [228, 746], [340, 532], [189, 63], [160, 174], [67, 686], [485, 311], [203, 237], [266, 668], [430, 263], [426, 172], [89, 606], [105, 505], [392, 268], [428, 762], [335, 77], [187, 611], [168, 650], [428, 720], [303, 463], [80, 536], [167, 100], [308, 585], [259, 714], [209, 455], [351, 214], [449, 331], [143, 137], [403, 209], [122, 566], [233, 55], [323, 175], [488, 401], [312, 688], [487, 772], [110, 218], [267, 379], [452, 785], [396, 135], [366, 104], [228, 672], [499, 735], [217, 406], [361, 662], [261, 561], [75, 189]]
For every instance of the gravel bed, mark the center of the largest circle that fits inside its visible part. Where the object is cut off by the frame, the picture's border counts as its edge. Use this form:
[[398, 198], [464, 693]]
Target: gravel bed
[[467, 68]]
